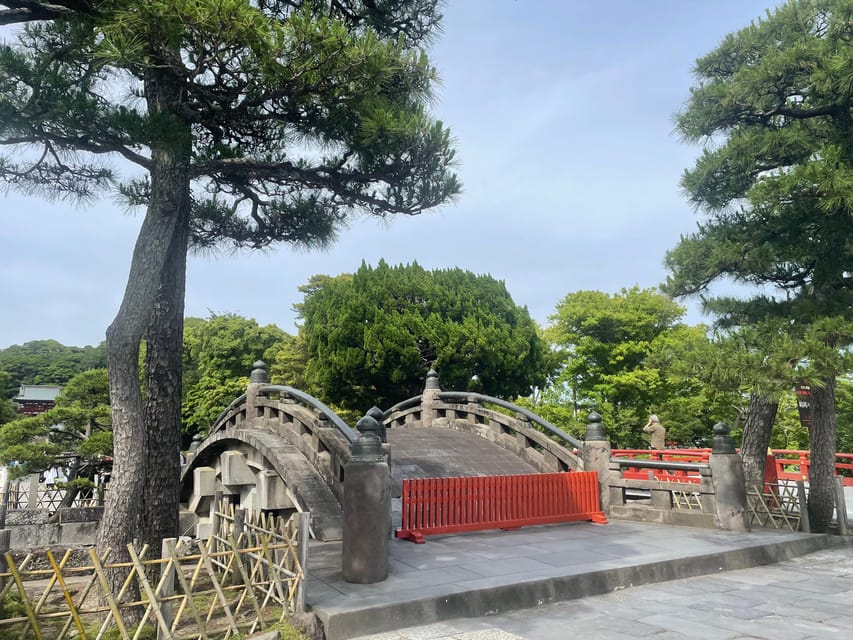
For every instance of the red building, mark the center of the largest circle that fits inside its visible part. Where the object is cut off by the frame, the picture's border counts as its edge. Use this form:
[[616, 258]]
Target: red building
[[33, 399]]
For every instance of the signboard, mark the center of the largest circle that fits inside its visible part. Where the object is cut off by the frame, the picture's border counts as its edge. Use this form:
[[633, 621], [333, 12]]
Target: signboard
[[804, 404]]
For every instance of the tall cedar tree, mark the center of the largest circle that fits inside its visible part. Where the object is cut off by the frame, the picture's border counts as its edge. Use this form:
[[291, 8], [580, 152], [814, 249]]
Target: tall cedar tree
[[242, 124], [373, 336], [775, 180]]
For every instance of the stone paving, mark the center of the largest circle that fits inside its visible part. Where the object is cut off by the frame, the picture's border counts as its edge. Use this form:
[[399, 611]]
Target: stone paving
[[483, 573], [804, 598]]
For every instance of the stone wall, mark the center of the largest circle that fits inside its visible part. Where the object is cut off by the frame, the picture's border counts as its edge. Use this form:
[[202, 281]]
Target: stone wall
[[31, 528]]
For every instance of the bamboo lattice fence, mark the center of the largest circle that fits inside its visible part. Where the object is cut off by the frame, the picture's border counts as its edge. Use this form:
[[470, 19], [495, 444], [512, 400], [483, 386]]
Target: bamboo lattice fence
[[249, 574]]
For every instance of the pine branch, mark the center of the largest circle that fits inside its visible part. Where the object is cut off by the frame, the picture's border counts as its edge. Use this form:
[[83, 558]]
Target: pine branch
[[20, 11]]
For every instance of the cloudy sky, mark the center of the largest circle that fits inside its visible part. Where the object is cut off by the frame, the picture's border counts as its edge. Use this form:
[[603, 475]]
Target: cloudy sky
[[563, 113]]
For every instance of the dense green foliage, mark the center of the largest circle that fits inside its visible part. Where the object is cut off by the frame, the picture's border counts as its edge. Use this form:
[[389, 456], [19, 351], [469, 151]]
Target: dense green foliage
[[75, 433], [45, 362], [218, 355], [372, 337], [774, 106], [623, 355]]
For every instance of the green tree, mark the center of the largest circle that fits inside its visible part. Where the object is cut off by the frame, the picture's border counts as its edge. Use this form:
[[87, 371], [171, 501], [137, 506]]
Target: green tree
[[218, 355], [372, 337], [249, 124], [7, 408], [46, 362], [617, 356], [75, 434], [773, 103], [844, 400]]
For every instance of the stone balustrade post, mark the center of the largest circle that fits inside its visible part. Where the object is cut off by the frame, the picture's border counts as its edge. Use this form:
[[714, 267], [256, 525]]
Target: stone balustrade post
[[257, 379], [730, 511], [430, 399], [367, 508], [596, 457], [33, 491]]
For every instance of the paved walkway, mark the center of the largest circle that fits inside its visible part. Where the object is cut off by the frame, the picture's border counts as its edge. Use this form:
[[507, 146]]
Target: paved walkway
[[480, 574], [808, 597]]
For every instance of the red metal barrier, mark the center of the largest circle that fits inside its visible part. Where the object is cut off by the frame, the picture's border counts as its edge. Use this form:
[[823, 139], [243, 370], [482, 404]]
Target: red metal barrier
[[434, 506]]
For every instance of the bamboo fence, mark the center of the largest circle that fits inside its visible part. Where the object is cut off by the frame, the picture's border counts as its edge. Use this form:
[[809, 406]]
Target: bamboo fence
[[249, 574]]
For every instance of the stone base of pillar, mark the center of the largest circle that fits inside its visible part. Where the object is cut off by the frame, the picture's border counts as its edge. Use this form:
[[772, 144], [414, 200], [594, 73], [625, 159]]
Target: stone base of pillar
[[367, 522], [596, 457], [731, 511]]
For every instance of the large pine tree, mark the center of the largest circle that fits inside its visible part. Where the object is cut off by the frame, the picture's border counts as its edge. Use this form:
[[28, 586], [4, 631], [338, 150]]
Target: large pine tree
[[247, 123], [774, 107]]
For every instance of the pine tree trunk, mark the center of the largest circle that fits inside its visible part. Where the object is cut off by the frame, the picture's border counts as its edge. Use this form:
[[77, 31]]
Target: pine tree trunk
[[163, 365], [757, 428], [168, 210], [70, 492], [822, 467]]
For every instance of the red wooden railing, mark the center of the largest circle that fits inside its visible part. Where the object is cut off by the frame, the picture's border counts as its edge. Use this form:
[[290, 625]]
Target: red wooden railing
[[794, 465], [434, 506], [789, 464]]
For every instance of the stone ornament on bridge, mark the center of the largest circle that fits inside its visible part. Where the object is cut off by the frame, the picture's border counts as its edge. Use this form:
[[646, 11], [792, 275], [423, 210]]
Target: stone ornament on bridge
[[594, 428], [368, 447], [722, 441], [259, 373]]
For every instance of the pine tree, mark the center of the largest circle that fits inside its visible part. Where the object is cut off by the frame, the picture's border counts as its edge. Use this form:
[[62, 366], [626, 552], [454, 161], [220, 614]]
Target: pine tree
[[244, 124], [773, 105]]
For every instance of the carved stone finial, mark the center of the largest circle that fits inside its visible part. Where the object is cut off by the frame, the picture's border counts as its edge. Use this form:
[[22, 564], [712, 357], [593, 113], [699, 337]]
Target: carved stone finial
[[432, 379], [367, 424], [377, 414], [368, 446], [259, 373], [722, 442], [196, 443], [594, 428]]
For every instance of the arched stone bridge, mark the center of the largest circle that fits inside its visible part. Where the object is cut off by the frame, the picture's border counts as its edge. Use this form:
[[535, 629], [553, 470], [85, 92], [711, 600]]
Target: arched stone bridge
[[276, 448]]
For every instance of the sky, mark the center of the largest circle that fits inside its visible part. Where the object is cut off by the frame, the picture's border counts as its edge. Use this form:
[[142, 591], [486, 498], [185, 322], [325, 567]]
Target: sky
[[563, 114]]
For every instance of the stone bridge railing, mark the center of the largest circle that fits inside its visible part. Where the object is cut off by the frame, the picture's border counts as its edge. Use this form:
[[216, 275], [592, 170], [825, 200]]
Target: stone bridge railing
[[303, 420], [546, 448], [709, 494]]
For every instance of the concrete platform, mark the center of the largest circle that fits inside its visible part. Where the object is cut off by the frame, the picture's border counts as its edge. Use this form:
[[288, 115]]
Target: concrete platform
[[485, 573]]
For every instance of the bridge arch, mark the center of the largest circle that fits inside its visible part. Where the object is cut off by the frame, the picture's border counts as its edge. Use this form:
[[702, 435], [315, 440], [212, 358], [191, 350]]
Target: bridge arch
[[547, 448], [276, 448]]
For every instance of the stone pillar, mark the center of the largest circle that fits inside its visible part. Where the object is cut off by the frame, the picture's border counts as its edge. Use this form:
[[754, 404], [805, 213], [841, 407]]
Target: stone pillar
[[596, 457], [33, 491], [730, 511], [367, 508], [257, 379], [429, 399]]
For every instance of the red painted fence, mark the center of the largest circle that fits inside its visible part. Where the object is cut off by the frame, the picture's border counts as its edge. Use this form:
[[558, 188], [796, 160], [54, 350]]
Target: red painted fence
[[663, 455], [433, 506], [789, 464]]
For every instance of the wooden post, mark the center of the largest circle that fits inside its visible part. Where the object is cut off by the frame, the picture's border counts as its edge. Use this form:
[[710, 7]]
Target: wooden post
[[214, 518], [302, 537], [804, 507], [5, 540], [239, 525], [840, 506], [167, 579]]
